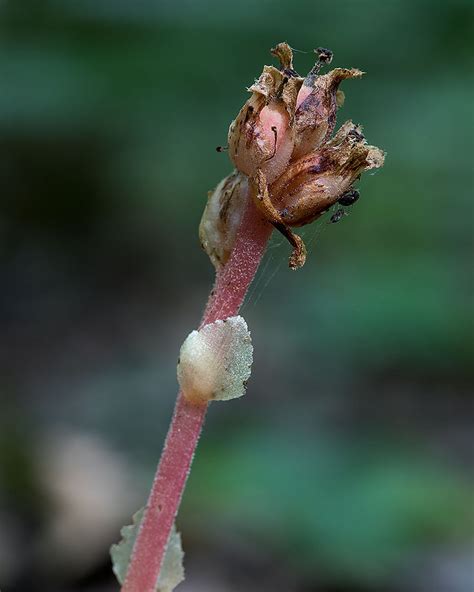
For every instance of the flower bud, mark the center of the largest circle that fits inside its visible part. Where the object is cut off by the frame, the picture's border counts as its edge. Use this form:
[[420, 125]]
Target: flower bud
[[313, 183], [316, 108], [222, 216]]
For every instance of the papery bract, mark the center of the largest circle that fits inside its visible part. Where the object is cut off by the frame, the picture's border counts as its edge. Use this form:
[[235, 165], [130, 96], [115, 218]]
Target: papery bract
[[222, 215]]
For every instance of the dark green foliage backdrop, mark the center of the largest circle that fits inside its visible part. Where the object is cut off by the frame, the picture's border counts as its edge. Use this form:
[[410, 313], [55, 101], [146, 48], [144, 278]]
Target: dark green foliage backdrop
[[347, 465]]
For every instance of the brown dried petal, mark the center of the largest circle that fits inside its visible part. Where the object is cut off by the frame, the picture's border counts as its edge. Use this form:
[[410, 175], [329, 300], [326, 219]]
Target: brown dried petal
[[276, 84], [284, 53], [263, 202], [245, 146], [289, 95], [313, 183], [268, 83], [317, 104]]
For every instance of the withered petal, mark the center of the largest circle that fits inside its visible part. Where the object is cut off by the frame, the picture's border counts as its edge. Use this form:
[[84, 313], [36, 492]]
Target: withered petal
[[317, 104], [263, 202], [284, 53], [313, 183]]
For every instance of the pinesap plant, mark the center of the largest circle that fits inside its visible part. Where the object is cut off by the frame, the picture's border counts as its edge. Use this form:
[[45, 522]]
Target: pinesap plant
[[290, 169]]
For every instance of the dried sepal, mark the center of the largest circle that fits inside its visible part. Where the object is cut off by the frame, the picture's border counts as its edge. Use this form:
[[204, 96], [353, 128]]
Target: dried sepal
[[264, 204], [222, 216], [215, 361]]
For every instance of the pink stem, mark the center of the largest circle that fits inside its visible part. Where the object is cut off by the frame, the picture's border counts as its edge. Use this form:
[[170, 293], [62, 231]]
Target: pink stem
[[231, 285]]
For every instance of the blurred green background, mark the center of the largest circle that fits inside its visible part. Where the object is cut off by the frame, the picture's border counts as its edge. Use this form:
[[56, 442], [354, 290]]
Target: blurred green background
[[348, 465]]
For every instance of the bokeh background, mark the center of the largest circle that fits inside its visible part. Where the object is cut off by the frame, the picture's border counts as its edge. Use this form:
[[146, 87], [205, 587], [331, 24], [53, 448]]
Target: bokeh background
[[348, 465]]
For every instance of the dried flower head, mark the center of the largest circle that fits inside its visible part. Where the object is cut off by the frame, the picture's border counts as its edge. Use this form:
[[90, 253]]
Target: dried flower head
[[285, 156]]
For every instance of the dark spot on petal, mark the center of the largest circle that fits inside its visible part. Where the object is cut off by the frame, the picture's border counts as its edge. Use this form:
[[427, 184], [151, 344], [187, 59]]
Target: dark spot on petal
[[248, 113], [323, 164]]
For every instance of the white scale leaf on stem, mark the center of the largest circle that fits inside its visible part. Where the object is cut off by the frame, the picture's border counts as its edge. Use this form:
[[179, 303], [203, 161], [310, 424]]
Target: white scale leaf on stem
[[215, 361]]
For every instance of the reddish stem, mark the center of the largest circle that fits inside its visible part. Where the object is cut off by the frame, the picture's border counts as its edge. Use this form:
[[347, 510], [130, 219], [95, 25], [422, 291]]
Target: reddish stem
[[231, 285]]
